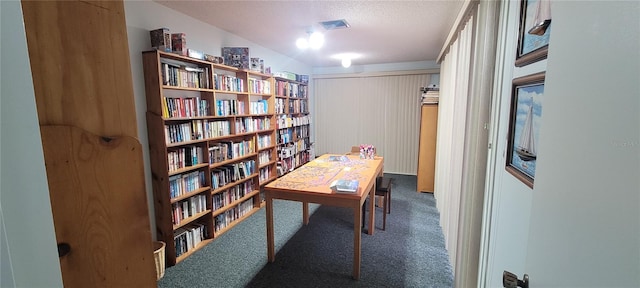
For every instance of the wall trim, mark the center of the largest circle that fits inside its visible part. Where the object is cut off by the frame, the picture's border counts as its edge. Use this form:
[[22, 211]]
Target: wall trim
[[377, 74]]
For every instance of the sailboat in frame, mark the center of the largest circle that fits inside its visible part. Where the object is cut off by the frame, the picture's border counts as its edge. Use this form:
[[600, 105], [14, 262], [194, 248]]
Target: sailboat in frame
[[526, 148], [542, 18]]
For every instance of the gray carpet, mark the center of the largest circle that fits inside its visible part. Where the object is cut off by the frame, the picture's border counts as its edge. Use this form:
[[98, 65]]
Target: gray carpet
[[410, 253]]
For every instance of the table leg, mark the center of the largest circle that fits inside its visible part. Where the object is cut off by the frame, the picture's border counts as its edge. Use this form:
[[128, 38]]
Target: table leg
[[270, 237], [305, 213], [357, 236], [372, 211]]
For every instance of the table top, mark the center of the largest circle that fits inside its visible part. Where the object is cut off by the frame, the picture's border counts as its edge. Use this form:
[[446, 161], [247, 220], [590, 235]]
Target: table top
[[316, 176]]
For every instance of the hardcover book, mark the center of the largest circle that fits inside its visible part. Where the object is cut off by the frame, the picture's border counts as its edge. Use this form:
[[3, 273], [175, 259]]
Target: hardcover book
[[344, 186]]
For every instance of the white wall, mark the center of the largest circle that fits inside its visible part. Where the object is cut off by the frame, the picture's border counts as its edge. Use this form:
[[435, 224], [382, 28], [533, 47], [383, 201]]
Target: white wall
[[28, 251], [580, 224], [143, 16], [585, 220]]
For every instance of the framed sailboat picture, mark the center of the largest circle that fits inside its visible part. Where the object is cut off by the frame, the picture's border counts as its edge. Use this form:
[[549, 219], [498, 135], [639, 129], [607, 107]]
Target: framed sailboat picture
[[524, 127], [534, 30]]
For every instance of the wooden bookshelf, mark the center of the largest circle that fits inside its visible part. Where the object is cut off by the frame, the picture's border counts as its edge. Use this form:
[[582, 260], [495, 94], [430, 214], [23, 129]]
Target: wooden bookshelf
[[293, 124], [212, 140]]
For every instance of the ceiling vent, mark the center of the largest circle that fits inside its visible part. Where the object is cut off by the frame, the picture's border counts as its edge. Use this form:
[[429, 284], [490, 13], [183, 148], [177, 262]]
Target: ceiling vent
[[335, 24]]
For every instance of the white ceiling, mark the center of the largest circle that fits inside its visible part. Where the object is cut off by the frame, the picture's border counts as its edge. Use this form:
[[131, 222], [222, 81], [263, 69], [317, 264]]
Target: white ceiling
[[381, 31]]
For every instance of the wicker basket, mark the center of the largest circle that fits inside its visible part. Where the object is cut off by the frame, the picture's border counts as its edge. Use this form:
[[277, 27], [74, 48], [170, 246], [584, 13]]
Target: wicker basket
[[158, 256]]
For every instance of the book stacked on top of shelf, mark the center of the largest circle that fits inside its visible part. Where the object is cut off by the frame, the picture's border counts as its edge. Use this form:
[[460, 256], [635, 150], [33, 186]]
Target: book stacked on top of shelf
[[430, 94]]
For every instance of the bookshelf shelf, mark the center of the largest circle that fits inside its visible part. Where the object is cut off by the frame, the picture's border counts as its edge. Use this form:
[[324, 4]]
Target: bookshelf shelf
[[207, 124], [293, 124]]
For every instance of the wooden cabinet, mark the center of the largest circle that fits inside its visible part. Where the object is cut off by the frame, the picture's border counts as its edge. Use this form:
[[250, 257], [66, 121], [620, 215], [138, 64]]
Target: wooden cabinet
[[212, 145], [293, 123], [427, 152]]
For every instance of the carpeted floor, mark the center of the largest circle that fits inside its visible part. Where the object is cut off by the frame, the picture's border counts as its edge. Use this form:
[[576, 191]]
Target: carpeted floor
[[410, 253]]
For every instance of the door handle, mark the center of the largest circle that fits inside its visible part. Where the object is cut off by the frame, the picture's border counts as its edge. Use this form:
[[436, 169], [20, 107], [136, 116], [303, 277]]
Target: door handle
[[510, 280], [63, 249]]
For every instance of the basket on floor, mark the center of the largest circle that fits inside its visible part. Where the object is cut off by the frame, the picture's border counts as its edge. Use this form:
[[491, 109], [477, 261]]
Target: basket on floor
[[158, 256]]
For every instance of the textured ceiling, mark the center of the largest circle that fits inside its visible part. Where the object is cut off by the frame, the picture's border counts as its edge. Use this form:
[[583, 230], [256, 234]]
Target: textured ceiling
[[380, 32]]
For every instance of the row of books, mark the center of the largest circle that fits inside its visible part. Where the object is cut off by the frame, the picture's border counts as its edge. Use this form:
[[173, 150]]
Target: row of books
[[183, 132], [302, 144], [280, 105], [288, 164], [189, 237], [298, 106], [195, 107], [185, 76], [292, 90], [288, 135], [228, 107], [259, 86], [258, 107], [184, 157], [284, 121], [223, 220], [184, 107], [196, 130], [265, 174], [301, 131], [231, 107], [284, 136], [264, 141], [230, 173], [225, 150], [188, 207], [250, 124], [224, 198], [228, 83], [264, 156], [184, 183], [287, 151]]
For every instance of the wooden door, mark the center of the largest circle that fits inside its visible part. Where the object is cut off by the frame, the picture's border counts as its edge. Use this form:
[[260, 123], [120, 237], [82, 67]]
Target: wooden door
[[81, 72], [427, 153]]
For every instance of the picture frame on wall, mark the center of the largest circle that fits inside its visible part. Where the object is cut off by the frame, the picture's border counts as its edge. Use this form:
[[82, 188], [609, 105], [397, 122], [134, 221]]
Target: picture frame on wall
[[524, 127], [534, 31]]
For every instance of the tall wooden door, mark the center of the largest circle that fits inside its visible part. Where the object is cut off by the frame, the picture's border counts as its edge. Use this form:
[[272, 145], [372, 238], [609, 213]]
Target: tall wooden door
[[427, 152], [81, 72]]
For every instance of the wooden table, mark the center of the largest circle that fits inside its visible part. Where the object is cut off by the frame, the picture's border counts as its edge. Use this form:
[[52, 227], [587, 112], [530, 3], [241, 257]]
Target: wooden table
[[310, 184]]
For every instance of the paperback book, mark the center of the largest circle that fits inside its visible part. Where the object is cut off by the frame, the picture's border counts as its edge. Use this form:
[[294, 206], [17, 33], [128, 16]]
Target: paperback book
[[345, 186], [339, 158]]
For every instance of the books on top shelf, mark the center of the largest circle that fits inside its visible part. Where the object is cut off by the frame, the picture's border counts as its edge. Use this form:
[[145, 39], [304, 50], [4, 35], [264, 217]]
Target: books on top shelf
[[344, 186], [430, 96]]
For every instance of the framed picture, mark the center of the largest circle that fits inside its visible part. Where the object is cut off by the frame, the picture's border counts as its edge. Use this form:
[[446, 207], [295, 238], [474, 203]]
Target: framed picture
[[524, 127], [534, 30]]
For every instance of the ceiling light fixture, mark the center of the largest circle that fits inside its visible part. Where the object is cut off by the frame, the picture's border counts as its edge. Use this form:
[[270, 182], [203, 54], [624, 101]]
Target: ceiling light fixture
[[346, 62], [346, 58], [314, 41]]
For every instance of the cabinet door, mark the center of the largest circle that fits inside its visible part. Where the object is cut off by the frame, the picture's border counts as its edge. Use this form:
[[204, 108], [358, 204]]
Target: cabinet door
[[427, 153], [81, 73]]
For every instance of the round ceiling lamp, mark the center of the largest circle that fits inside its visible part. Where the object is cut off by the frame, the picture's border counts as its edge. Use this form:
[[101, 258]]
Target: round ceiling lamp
[[314, 41], [346, 62]]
